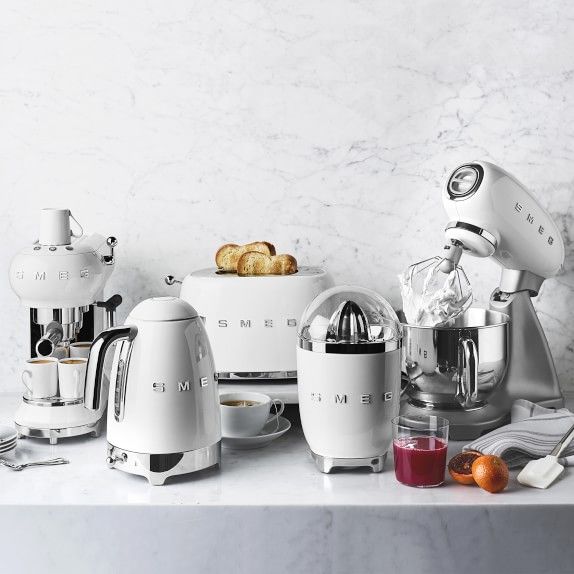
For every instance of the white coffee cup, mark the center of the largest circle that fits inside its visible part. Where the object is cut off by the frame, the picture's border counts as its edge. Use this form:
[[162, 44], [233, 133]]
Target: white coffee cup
[[40, 377], [249, 415], [72, 377], [80, 349]]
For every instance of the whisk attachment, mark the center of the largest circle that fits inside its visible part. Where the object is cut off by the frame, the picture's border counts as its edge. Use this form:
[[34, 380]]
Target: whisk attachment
[[436, 291]]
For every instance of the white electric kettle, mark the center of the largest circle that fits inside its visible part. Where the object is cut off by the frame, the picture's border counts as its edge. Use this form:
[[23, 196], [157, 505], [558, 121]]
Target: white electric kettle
[[163, 407]]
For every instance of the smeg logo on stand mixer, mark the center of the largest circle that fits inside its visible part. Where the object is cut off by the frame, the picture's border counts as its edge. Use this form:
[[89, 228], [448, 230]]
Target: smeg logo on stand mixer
[[346, 399], [518, 207], [249, 323], [182, 386]]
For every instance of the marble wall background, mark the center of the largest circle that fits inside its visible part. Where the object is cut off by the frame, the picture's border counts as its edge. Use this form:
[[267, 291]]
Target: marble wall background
[[327, 127]]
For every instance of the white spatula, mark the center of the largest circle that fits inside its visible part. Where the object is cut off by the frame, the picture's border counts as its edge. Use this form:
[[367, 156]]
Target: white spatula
[[543, 472]]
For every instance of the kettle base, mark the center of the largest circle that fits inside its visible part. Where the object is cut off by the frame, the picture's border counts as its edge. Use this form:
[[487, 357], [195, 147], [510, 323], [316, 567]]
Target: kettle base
[[158, 467], [326, 463]]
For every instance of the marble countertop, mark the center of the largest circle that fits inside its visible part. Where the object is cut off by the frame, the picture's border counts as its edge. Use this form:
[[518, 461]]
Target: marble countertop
[[281, 474], [269, 510]]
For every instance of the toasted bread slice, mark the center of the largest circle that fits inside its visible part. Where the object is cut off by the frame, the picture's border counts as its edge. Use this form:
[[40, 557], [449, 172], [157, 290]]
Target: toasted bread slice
[[252, 263], [228, 255]]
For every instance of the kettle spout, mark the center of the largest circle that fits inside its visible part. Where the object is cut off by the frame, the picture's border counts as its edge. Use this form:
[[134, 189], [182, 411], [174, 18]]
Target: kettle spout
[[95, 370]]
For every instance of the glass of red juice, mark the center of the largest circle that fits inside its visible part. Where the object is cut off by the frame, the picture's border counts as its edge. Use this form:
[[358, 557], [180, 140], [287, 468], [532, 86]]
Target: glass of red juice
[[419, 448]]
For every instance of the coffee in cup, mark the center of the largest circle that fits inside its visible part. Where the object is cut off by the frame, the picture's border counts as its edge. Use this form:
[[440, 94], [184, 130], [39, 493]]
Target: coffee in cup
[[240, 403], [40, 377], [244, 414]]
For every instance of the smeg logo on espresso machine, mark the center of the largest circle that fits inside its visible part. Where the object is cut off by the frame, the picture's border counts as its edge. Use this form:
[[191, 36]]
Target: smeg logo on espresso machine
[[346, 399], [182, 386]]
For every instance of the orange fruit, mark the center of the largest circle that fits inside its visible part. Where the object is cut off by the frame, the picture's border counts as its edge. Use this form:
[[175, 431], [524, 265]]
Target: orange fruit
[[460, 466], [490, 473]]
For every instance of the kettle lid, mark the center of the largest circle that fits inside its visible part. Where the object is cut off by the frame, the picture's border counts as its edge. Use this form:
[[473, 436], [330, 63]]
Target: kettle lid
[[163, 309]]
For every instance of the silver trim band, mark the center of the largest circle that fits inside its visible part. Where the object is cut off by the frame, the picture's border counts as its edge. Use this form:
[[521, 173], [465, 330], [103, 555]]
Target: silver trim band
[[263, 375], [52, 401], [350, 348], [158, 467], [473, 229]]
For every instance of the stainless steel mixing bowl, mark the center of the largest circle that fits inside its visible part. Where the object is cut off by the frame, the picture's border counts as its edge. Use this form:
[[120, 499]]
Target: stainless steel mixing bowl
[[456, 367]]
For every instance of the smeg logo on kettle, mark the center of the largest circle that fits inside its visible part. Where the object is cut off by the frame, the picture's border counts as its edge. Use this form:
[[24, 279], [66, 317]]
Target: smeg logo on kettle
[[182, 386]]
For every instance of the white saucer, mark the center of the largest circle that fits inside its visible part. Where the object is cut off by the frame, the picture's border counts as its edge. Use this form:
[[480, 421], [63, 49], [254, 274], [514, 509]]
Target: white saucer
[[267, 435]]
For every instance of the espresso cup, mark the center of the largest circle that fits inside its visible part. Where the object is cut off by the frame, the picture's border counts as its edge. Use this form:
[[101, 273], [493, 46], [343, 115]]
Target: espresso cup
[[72, 377], [40, 377], [244, 414], [80, 349]]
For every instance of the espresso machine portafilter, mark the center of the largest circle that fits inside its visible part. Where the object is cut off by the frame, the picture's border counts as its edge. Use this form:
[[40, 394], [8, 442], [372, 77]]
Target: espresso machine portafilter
[[61, 279], [472, 370]]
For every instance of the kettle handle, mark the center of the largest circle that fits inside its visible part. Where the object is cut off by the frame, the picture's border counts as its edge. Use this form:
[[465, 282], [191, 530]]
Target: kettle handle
[[94, 372]]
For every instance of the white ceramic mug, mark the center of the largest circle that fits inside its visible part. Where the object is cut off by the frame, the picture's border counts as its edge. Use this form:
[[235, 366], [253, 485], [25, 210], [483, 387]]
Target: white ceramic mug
[[80, 349], [72, 377], [247, 419], [40, 377]]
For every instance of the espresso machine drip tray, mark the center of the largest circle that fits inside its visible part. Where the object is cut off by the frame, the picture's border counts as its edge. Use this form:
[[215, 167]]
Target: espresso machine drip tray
[[53, 434]]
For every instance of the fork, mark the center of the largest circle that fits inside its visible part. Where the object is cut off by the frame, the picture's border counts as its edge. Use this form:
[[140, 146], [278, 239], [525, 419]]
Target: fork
[[49, 462]]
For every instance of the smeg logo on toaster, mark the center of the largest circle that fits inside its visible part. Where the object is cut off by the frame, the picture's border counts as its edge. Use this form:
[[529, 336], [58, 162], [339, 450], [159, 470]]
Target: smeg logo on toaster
[[182, 386], [346, 399], [250, 323]]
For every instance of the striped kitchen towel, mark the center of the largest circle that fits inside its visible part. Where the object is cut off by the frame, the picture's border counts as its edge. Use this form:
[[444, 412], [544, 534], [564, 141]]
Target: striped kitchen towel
[[532, 433]]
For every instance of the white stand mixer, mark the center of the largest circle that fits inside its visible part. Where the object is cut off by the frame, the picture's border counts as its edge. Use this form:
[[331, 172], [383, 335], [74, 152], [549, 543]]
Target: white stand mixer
[[60, 278], [493, 215]]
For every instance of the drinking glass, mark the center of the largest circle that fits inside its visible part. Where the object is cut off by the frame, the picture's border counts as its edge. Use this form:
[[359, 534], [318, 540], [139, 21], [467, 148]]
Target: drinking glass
[[419, 447]]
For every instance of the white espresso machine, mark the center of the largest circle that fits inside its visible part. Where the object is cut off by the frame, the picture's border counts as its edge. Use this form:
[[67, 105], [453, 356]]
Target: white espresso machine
[[61, 279], [471, 371]]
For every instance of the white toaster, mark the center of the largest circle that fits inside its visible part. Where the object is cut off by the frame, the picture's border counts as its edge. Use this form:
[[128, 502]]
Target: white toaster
[[252, 321]]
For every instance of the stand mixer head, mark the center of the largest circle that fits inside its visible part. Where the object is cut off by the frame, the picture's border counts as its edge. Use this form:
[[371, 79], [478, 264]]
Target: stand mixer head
[[493, 215]]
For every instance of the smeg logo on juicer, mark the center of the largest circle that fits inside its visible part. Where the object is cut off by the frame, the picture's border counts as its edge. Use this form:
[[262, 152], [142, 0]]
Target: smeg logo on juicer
[[345, 399]]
